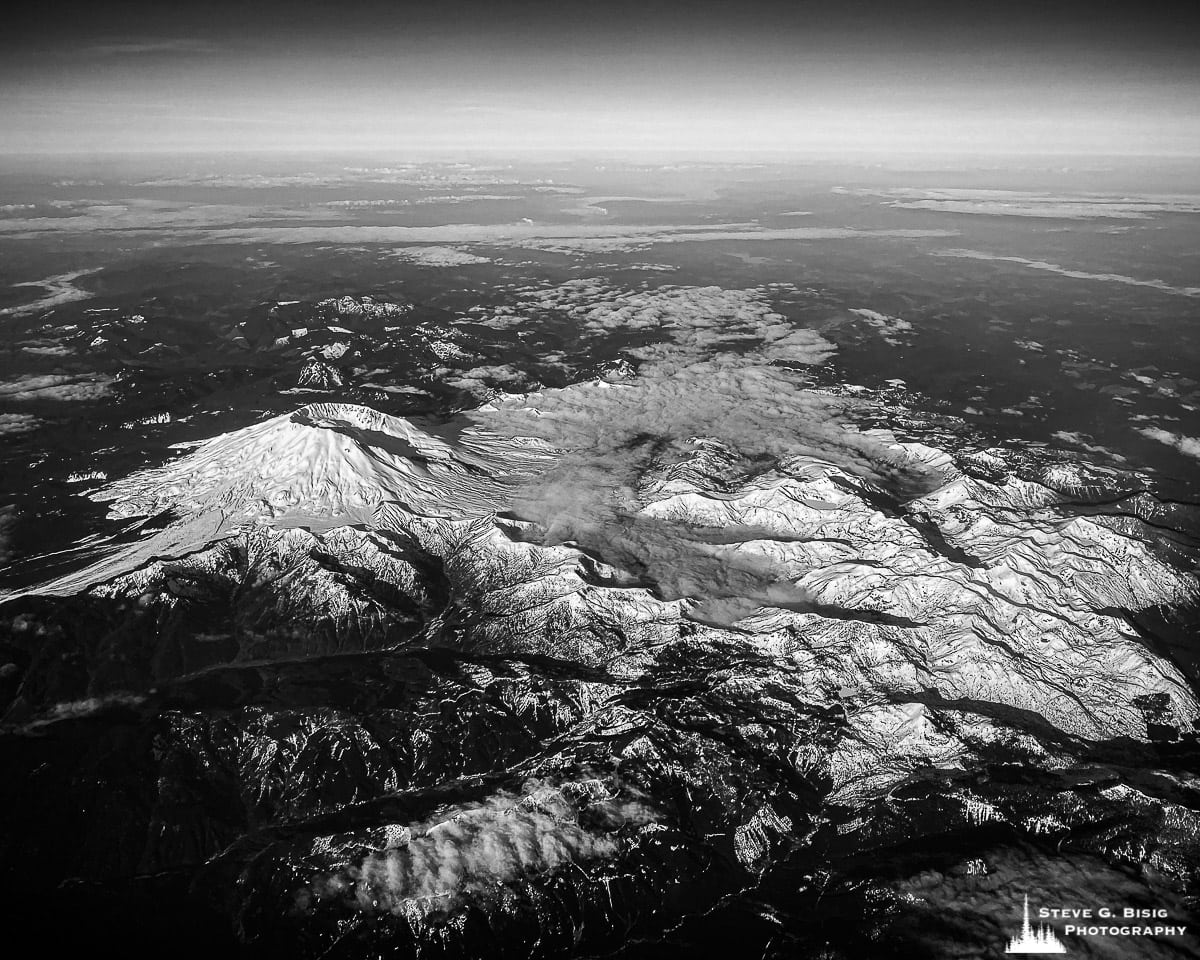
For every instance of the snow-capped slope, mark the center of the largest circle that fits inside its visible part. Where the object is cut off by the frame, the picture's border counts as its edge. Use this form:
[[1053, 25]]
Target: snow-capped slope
[[326, 461]]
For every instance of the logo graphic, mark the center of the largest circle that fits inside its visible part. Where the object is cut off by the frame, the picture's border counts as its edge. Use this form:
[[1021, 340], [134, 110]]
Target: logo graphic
[[1039, 939]]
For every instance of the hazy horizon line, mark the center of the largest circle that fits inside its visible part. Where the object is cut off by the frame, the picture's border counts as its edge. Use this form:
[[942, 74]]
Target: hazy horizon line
[[449, 154]]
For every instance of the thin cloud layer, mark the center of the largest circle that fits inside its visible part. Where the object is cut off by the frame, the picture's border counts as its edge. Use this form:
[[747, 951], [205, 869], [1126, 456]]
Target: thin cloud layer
[[486, 377], [172, 218], [1074, 274], [1188, 446], [436, 864], [1016, 203], [725, 389], [696, 318], [59, 289], [890, 327], [8, 519], [12, 424], [56, 387], [584, 238], [144, 46], [437, 256]]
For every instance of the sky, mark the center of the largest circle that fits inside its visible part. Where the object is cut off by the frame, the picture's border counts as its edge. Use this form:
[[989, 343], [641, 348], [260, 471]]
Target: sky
[[573, 78]]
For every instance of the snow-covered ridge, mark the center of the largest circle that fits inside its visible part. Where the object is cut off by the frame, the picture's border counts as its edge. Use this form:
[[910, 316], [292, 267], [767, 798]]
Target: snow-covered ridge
[[983, 592], [363, 307]]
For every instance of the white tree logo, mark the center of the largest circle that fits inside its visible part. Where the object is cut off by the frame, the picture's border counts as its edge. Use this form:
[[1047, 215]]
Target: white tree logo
[[1039, 939]]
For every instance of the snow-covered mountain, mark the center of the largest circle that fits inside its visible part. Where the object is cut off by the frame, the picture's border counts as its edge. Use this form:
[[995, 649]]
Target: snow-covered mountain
[[400, 704], [327, 461]]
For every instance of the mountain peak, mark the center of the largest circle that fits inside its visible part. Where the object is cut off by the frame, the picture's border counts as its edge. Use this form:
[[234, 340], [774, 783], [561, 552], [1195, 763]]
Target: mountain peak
[[325, 460]]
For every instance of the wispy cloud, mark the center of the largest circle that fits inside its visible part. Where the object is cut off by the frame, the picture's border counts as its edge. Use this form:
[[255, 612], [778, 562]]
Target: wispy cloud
[[1073, 274], [148, 46], [1015, 203], [59, 290], [66, 387], [1188, 446]]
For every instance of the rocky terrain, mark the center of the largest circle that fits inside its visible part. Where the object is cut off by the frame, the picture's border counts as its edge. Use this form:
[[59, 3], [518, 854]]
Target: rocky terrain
[[343, 687]]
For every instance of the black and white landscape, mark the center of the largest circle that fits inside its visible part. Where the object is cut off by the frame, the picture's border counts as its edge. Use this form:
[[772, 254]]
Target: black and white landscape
[[582, 528]]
